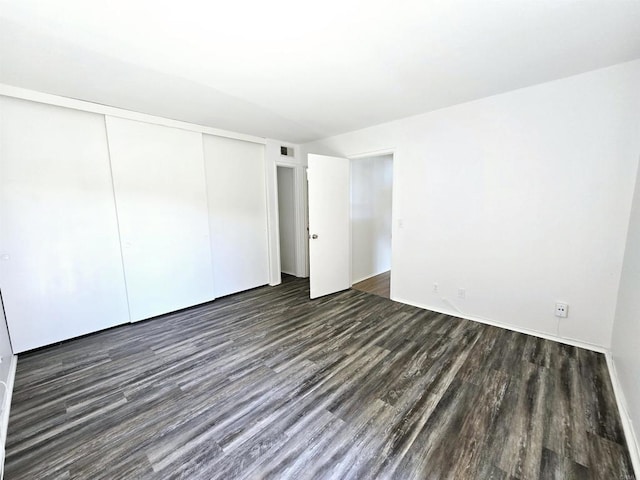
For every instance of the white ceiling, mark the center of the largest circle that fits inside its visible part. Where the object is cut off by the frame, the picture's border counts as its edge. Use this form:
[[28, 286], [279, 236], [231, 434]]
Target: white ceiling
[[297, 70]]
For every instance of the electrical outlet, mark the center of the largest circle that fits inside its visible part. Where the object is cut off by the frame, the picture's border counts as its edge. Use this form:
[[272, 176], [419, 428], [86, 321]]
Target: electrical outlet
[[462, 293], [562, 310], [435, 288]]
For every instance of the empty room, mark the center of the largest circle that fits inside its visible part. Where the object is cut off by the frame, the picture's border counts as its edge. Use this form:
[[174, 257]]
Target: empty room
[[338, 240]]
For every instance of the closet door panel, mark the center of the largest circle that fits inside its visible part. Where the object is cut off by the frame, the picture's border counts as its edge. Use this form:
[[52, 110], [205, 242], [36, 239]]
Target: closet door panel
[[160, 189], [237, 213], [60, 267]]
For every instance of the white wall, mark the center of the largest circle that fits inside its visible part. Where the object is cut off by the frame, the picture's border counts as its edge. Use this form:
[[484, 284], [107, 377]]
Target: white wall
[[271, 154], [371, 188], [626, 327], [287, 220], [522, 199]]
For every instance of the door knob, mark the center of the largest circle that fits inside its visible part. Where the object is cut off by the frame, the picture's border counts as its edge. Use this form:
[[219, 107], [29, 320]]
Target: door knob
[[314, 236]]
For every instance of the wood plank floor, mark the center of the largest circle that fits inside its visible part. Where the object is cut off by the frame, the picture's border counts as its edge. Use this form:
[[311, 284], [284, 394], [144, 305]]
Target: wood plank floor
[[378, 285], [268, 384]]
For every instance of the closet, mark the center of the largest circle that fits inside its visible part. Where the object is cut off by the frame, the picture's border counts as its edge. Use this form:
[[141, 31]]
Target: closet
[[237, 213], [161, 199], [60, 266], [106, 220]]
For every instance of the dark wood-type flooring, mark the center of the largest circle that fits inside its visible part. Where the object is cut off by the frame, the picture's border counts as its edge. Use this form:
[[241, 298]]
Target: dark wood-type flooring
[[268, 384], [378, 285]]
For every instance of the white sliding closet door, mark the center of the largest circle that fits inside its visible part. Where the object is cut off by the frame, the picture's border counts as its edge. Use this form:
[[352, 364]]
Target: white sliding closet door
[[159, 182], [60, 265], [237, 213]]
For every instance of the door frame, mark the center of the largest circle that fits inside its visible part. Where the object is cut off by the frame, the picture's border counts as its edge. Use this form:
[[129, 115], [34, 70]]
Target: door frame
[[376, 153], [299, 207]]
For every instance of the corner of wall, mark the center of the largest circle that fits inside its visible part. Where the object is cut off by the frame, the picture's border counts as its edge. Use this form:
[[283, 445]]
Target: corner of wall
[[633, 443], [624, 329], [270, 159]]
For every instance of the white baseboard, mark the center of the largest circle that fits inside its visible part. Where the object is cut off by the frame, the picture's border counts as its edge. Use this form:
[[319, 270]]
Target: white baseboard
[[633, 442], [486, 321], [6, 407]]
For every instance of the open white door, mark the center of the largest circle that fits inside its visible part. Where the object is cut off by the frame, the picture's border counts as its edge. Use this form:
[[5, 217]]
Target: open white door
[[329, 225]]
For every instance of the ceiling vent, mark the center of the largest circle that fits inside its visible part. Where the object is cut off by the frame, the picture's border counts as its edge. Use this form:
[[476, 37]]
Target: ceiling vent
[[286, 151]]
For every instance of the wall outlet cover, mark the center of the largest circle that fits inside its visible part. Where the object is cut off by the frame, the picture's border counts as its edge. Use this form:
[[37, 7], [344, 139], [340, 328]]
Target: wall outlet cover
[[562, 310]]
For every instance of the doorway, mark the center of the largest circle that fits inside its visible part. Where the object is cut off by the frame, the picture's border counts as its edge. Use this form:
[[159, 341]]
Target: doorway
[[287, 218], [371, 223]]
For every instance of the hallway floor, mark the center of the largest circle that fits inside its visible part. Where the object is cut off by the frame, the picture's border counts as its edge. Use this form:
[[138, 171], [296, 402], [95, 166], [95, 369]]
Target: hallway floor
[[379, 285]]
